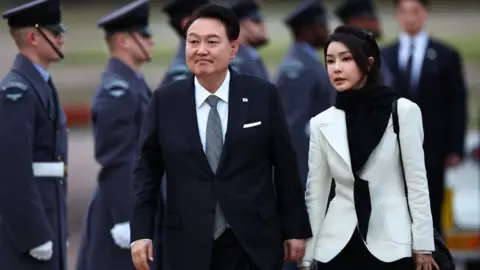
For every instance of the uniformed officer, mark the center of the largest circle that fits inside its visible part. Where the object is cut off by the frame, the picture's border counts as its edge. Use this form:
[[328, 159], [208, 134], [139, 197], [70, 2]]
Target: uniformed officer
[[362, 13], [119, 104], [252, 36], [179, 11], [302, 78], [33, 143]]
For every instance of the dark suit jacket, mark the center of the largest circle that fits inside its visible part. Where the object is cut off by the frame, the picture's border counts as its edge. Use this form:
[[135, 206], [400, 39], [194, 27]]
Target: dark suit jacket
[[261, 213], [440, 94]]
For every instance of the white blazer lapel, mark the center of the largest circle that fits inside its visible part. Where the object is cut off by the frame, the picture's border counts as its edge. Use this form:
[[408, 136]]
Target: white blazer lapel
[[335, 132]]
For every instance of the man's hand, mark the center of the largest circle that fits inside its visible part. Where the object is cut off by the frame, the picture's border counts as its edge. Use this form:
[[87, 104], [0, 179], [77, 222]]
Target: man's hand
[[425, 262], [43, 252], [121, 235], [142, 251], [294, 249]]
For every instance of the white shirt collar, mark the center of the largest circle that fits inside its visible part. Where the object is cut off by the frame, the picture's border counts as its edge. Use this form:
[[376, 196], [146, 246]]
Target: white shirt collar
[[201, 94], [418, 39]]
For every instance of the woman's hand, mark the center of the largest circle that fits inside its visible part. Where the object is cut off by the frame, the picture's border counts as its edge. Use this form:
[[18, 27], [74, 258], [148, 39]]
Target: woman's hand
[[425, 262]]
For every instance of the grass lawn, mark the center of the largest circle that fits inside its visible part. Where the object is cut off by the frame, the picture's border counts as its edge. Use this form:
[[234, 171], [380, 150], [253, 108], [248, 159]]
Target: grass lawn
[[272, 54]]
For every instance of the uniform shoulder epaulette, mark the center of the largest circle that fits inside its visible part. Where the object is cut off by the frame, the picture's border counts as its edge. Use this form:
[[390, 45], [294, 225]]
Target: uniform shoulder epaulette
[[13, 88], [236, 63], [292, 68], [115, 87]]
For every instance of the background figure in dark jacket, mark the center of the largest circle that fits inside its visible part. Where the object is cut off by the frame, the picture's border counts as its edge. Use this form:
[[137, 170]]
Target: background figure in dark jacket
[[430, 73], [362, 13], [252, 36], [179, 11], [118, 106]]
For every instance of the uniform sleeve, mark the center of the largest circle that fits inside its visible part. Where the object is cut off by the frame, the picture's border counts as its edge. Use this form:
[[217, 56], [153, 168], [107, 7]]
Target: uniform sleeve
[[115, 133], [457, 113], [149, 169], [20, 201], [288, 186], [291, 82]]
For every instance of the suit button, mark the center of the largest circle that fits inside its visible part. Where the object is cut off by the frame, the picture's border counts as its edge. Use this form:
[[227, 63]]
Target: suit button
[[59, 158]]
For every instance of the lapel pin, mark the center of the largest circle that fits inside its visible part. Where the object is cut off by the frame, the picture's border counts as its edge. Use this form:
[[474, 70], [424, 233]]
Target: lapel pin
[[244, 99], [431, 54]]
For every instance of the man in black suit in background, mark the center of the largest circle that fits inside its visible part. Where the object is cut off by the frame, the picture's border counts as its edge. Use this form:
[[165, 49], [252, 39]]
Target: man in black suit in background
[[217, 134], [430, 73]]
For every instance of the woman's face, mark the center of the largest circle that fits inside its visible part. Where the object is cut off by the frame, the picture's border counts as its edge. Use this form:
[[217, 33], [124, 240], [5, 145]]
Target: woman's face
[[342, 70]]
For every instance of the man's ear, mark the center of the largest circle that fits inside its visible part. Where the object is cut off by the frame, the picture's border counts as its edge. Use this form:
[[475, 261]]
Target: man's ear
[[235, 44]]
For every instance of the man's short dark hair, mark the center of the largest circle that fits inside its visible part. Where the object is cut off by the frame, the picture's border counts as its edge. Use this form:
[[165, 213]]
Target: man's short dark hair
[[223, 14]]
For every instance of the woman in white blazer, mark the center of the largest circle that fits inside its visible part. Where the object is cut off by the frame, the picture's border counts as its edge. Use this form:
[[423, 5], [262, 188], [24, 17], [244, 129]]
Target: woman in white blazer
[[367, 223]]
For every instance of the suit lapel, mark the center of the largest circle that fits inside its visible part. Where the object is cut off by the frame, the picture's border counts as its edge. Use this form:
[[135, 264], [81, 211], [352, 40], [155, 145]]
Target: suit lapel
[[237, 112], [425, 64], [335, 133], [186, 103]]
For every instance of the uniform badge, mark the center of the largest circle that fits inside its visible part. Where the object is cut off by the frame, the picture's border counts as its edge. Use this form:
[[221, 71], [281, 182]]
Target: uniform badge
[[292, 69], [431, 54], [236, 63], [179, 72], [14, 90], [116, 88], [179, 77]]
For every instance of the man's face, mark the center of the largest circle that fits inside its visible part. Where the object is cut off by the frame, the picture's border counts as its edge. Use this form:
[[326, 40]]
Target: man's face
[[44, 49], [145, 41], [255, 32], [208, 49], [411, 15], [318, 34]]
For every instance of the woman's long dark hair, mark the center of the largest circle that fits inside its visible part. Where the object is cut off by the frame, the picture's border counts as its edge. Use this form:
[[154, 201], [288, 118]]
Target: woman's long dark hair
[[361, 45]]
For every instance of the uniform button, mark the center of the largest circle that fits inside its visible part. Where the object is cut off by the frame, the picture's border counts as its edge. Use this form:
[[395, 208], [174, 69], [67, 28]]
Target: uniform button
[[59, 158], [61, 182]]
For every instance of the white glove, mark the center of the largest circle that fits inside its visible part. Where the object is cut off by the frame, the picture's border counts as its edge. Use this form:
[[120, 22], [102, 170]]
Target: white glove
[[43, 252], [121, 235]]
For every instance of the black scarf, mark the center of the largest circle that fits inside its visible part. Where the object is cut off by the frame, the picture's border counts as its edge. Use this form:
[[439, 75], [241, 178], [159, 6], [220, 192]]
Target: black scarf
[[367, 111]]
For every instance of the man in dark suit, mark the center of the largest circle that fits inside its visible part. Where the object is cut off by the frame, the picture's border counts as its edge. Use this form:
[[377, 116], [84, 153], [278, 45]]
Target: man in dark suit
[[106, 237], [33, 144], [430, 73], [252, 36], [362, 13], [179, 11], [217, 135]]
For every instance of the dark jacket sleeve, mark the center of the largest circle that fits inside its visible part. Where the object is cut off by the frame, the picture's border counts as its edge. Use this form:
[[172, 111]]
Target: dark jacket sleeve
[[457, 106], [20, 202], [288, 186], [146, 185], [115, 133]]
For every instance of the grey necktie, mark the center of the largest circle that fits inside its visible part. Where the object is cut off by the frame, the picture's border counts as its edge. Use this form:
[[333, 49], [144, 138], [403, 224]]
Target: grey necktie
[[213, 151]]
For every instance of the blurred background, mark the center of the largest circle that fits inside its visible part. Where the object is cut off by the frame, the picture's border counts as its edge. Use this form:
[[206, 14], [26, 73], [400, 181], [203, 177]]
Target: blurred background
[[456, 22]]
